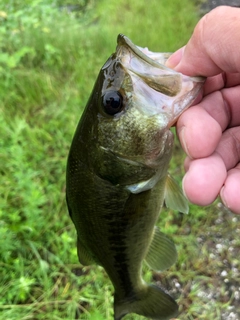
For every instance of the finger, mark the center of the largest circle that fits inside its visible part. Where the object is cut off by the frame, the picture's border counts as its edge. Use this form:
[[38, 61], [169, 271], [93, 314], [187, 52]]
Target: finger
[[230, 98], [230, 191], [229, 147], [232, 80], [198, 132], [213, 47], [204, 179], [200, 128], [223, 106], [220, 81], [175, 58], [214, 83]]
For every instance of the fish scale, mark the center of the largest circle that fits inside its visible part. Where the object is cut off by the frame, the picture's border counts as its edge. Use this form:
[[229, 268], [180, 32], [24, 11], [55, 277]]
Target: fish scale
[[117, 177]]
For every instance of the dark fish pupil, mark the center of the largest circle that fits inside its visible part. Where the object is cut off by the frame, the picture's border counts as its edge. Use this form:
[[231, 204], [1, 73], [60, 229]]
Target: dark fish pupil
[[112, 102]]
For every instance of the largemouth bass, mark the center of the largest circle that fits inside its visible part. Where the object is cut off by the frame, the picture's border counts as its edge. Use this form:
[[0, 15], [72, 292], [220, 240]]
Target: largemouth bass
[[117, 176]]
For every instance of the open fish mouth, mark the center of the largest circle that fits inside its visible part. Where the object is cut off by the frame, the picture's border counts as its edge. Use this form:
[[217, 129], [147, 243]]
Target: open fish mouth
[[117, 175], [156, 89]]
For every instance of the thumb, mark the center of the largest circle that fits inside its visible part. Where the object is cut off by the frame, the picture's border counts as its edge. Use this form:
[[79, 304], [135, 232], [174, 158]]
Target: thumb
[[213, 46]]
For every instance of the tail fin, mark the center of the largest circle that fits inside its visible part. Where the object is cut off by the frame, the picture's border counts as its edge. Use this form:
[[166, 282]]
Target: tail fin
[[151, 302]]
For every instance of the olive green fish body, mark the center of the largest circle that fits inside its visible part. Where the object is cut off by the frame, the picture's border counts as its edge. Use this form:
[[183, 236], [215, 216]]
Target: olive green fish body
[[118, 236], [117, 174]]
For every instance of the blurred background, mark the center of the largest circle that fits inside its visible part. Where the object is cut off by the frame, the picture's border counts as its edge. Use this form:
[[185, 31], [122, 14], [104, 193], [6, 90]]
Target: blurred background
[[50, 55]]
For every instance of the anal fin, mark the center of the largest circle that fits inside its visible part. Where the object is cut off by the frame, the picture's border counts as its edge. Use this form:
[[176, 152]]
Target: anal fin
[[162, 253]]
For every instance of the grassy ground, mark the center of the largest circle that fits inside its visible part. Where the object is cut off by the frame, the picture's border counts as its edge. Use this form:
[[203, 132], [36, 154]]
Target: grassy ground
[[49, 60]]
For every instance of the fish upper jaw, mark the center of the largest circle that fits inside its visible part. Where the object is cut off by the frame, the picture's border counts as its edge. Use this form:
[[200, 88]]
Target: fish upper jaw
[[156, 89]]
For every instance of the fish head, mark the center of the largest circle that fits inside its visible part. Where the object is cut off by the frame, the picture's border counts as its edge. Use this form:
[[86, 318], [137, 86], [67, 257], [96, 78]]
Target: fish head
[[135, 101]]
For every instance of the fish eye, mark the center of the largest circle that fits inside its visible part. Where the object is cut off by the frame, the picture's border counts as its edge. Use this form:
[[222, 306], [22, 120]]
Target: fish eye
[[112, 102]]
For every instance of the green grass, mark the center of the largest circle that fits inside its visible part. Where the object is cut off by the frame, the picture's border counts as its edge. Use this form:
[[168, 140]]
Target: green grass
[[49, 60]]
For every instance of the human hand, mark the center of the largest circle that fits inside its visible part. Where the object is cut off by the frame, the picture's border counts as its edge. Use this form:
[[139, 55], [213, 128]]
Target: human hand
[[210, 131]]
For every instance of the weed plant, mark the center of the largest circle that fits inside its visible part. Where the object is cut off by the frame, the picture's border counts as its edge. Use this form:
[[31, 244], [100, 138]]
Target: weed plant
[[50, 55]]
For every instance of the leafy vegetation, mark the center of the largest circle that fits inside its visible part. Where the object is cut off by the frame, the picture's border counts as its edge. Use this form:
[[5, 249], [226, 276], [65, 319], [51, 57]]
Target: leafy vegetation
[[50, 55]]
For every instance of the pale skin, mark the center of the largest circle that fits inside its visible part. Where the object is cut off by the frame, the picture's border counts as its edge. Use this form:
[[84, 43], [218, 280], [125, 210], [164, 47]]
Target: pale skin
[[210, 130]]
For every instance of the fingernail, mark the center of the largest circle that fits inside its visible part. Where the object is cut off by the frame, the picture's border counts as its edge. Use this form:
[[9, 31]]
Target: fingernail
[[181, 135], [183, 189], [222, 198], [175, 58]]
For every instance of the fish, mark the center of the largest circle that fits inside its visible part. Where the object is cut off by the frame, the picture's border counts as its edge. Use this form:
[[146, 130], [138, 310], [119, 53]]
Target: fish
[[117, 174]]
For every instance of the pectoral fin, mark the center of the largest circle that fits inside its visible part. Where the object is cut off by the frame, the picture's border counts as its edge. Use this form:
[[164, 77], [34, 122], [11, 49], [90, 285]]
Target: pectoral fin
[[174, 197], [162, 253], [84, 256]]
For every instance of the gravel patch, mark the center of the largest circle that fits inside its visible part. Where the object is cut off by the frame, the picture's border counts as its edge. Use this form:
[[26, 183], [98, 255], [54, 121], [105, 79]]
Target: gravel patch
[[211, 4]]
